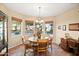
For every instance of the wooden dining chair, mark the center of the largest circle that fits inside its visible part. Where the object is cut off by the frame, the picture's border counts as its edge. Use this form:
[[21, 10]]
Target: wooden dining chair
[[34, 46], [27, 47], [42, 47]]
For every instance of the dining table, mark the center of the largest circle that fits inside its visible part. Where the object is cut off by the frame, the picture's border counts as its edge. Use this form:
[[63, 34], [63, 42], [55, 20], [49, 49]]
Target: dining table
[[33, 41]]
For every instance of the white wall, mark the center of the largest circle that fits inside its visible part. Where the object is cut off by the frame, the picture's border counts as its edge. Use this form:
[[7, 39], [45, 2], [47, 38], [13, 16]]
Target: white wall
[[69, 17]]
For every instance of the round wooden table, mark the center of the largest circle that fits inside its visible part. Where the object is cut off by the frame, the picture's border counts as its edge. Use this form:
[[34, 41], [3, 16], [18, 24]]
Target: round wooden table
[[34, 43]]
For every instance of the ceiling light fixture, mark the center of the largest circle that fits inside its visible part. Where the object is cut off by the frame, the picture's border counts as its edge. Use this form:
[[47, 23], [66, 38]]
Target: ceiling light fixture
[[39, 20]]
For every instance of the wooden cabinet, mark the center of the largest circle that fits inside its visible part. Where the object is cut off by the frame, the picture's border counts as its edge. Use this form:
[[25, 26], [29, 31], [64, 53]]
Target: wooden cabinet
[[64, 44]]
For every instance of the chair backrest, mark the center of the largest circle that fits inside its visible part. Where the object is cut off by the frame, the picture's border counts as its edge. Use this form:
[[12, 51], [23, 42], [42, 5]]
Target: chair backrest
[[25, 40], [26, 43], [42, 43]]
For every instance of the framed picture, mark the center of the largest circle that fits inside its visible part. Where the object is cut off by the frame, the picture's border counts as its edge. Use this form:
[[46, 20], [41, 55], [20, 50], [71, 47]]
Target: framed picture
[[59, 27], [74, 27], [64, 28]]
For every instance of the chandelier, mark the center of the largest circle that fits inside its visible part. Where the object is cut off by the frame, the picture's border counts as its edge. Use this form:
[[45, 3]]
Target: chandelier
[[39, 25], [39, 20]]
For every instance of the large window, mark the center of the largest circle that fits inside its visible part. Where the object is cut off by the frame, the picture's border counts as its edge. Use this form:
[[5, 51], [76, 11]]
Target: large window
[[29, 28], [16, 26], [49, 28]]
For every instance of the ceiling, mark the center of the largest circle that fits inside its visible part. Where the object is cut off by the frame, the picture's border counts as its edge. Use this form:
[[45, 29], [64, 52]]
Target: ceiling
[[47, 9]]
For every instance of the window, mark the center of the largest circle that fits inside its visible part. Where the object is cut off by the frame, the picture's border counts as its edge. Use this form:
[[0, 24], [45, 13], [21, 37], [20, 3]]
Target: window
[[49, 28], [16, 27], [29, 28]]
